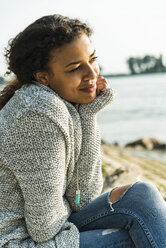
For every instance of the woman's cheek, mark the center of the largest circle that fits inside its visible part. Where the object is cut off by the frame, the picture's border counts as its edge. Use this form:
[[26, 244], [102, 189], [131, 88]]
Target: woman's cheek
[[96, 68]]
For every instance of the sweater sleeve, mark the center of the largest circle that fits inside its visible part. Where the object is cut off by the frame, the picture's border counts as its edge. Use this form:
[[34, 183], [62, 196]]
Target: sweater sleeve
[[38, 160], [88, 172]]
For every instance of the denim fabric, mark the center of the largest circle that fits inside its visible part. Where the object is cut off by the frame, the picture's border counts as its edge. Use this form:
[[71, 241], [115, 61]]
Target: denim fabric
[[139, 214]]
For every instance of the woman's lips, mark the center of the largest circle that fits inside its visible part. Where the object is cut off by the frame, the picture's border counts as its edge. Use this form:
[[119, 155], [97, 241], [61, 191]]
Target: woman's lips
[[89, 88]]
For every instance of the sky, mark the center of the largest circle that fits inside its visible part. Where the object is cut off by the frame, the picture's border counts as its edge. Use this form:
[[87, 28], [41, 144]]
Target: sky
[[122, 28]]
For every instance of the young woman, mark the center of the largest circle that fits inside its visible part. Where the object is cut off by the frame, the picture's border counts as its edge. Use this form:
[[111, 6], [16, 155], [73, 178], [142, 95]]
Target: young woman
[[50, 162]]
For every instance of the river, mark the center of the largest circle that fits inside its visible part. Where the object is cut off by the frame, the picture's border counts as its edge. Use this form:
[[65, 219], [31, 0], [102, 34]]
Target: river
[[138, 110]]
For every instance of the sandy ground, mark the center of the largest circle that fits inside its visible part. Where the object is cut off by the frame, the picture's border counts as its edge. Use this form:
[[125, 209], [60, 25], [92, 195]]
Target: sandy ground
[[121, 167]]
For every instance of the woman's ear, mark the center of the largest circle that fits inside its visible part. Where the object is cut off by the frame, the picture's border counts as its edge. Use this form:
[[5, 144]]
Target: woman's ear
[[41, 77]]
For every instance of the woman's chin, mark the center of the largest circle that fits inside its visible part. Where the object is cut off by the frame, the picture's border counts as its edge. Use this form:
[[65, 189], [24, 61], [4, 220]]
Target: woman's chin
[[88, 99], [82, 98]]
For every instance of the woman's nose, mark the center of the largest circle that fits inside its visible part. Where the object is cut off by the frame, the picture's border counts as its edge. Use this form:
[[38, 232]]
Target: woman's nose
[[90, 73]]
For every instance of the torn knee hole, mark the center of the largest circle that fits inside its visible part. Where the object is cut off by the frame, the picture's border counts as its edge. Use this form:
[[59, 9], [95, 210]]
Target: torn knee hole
[[117, 192]]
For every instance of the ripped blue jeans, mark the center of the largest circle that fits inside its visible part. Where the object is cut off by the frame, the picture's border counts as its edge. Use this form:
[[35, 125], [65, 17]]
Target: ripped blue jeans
[[136, 219]]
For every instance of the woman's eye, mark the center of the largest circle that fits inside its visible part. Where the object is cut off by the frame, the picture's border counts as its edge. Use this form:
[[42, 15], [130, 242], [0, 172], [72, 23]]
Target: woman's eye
[[75, 69], [94, 59]]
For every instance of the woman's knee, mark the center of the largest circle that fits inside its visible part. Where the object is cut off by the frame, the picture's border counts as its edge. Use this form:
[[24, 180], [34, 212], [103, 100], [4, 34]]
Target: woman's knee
[[117, 192], [142, 191], [146, 187], [144, 194], [147, 190]]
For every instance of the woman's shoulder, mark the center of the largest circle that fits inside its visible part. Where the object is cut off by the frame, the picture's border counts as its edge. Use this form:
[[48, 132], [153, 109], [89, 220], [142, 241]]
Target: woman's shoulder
[[40, 95], [35, 99], [41, 99]]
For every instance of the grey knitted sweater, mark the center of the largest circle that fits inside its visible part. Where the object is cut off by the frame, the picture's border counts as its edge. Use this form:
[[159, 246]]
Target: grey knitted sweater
[[44, 142]]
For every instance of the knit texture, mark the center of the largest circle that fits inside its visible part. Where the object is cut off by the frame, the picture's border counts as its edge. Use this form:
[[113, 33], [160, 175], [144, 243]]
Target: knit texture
[[46, 144]]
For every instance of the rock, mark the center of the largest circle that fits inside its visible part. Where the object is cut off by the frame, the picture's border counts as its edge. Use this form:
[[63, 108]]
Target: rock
[[110, 179], [118, 167], [161, 147], [148, 143], [115, 144], [103, 142]]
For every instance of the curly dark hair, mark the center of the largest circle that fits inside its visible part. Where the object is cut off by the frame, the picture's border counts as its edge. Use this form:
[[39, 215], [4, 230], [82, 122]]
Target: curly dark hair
[[30, 50]]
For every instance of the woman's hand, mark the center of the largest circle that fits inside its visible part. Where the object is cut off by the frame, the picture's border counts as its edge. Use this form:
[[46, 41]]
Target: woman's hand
[[104, 95], [101, 84]]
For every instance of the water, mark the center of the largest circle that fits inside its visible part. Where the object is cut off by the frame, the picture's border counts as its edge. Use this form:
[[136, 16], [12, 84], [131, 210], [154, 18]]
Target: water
[[138, 110]]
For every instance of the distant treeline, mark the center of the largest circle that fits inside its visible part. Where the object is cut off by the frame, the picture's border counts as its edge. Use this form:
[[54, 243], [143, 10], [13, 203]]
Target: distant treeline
[[146, 64], [2, 80]]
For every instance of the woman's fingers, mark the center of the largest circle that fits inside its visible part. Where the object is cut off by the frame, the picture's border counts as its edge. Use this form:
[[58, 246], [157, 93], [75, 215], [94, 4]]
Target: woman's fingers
[[101, 84]]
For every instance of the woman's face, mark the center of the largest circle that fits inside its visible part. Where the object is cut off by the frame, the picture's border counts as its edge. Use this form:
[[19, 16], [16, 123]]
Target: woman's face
[[73, 71]]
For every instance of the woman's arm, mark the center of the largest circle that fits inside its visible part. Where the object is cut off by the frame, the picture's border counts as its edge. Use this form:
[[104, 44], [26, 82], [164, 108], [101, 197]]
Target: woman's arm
[[35, 151], [88, 167]]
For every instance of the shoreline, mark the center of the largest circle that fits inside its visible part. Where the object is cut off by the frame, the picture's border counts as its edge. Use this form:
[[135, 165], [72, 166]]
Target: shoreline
[[130, 75], [146, 147]]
